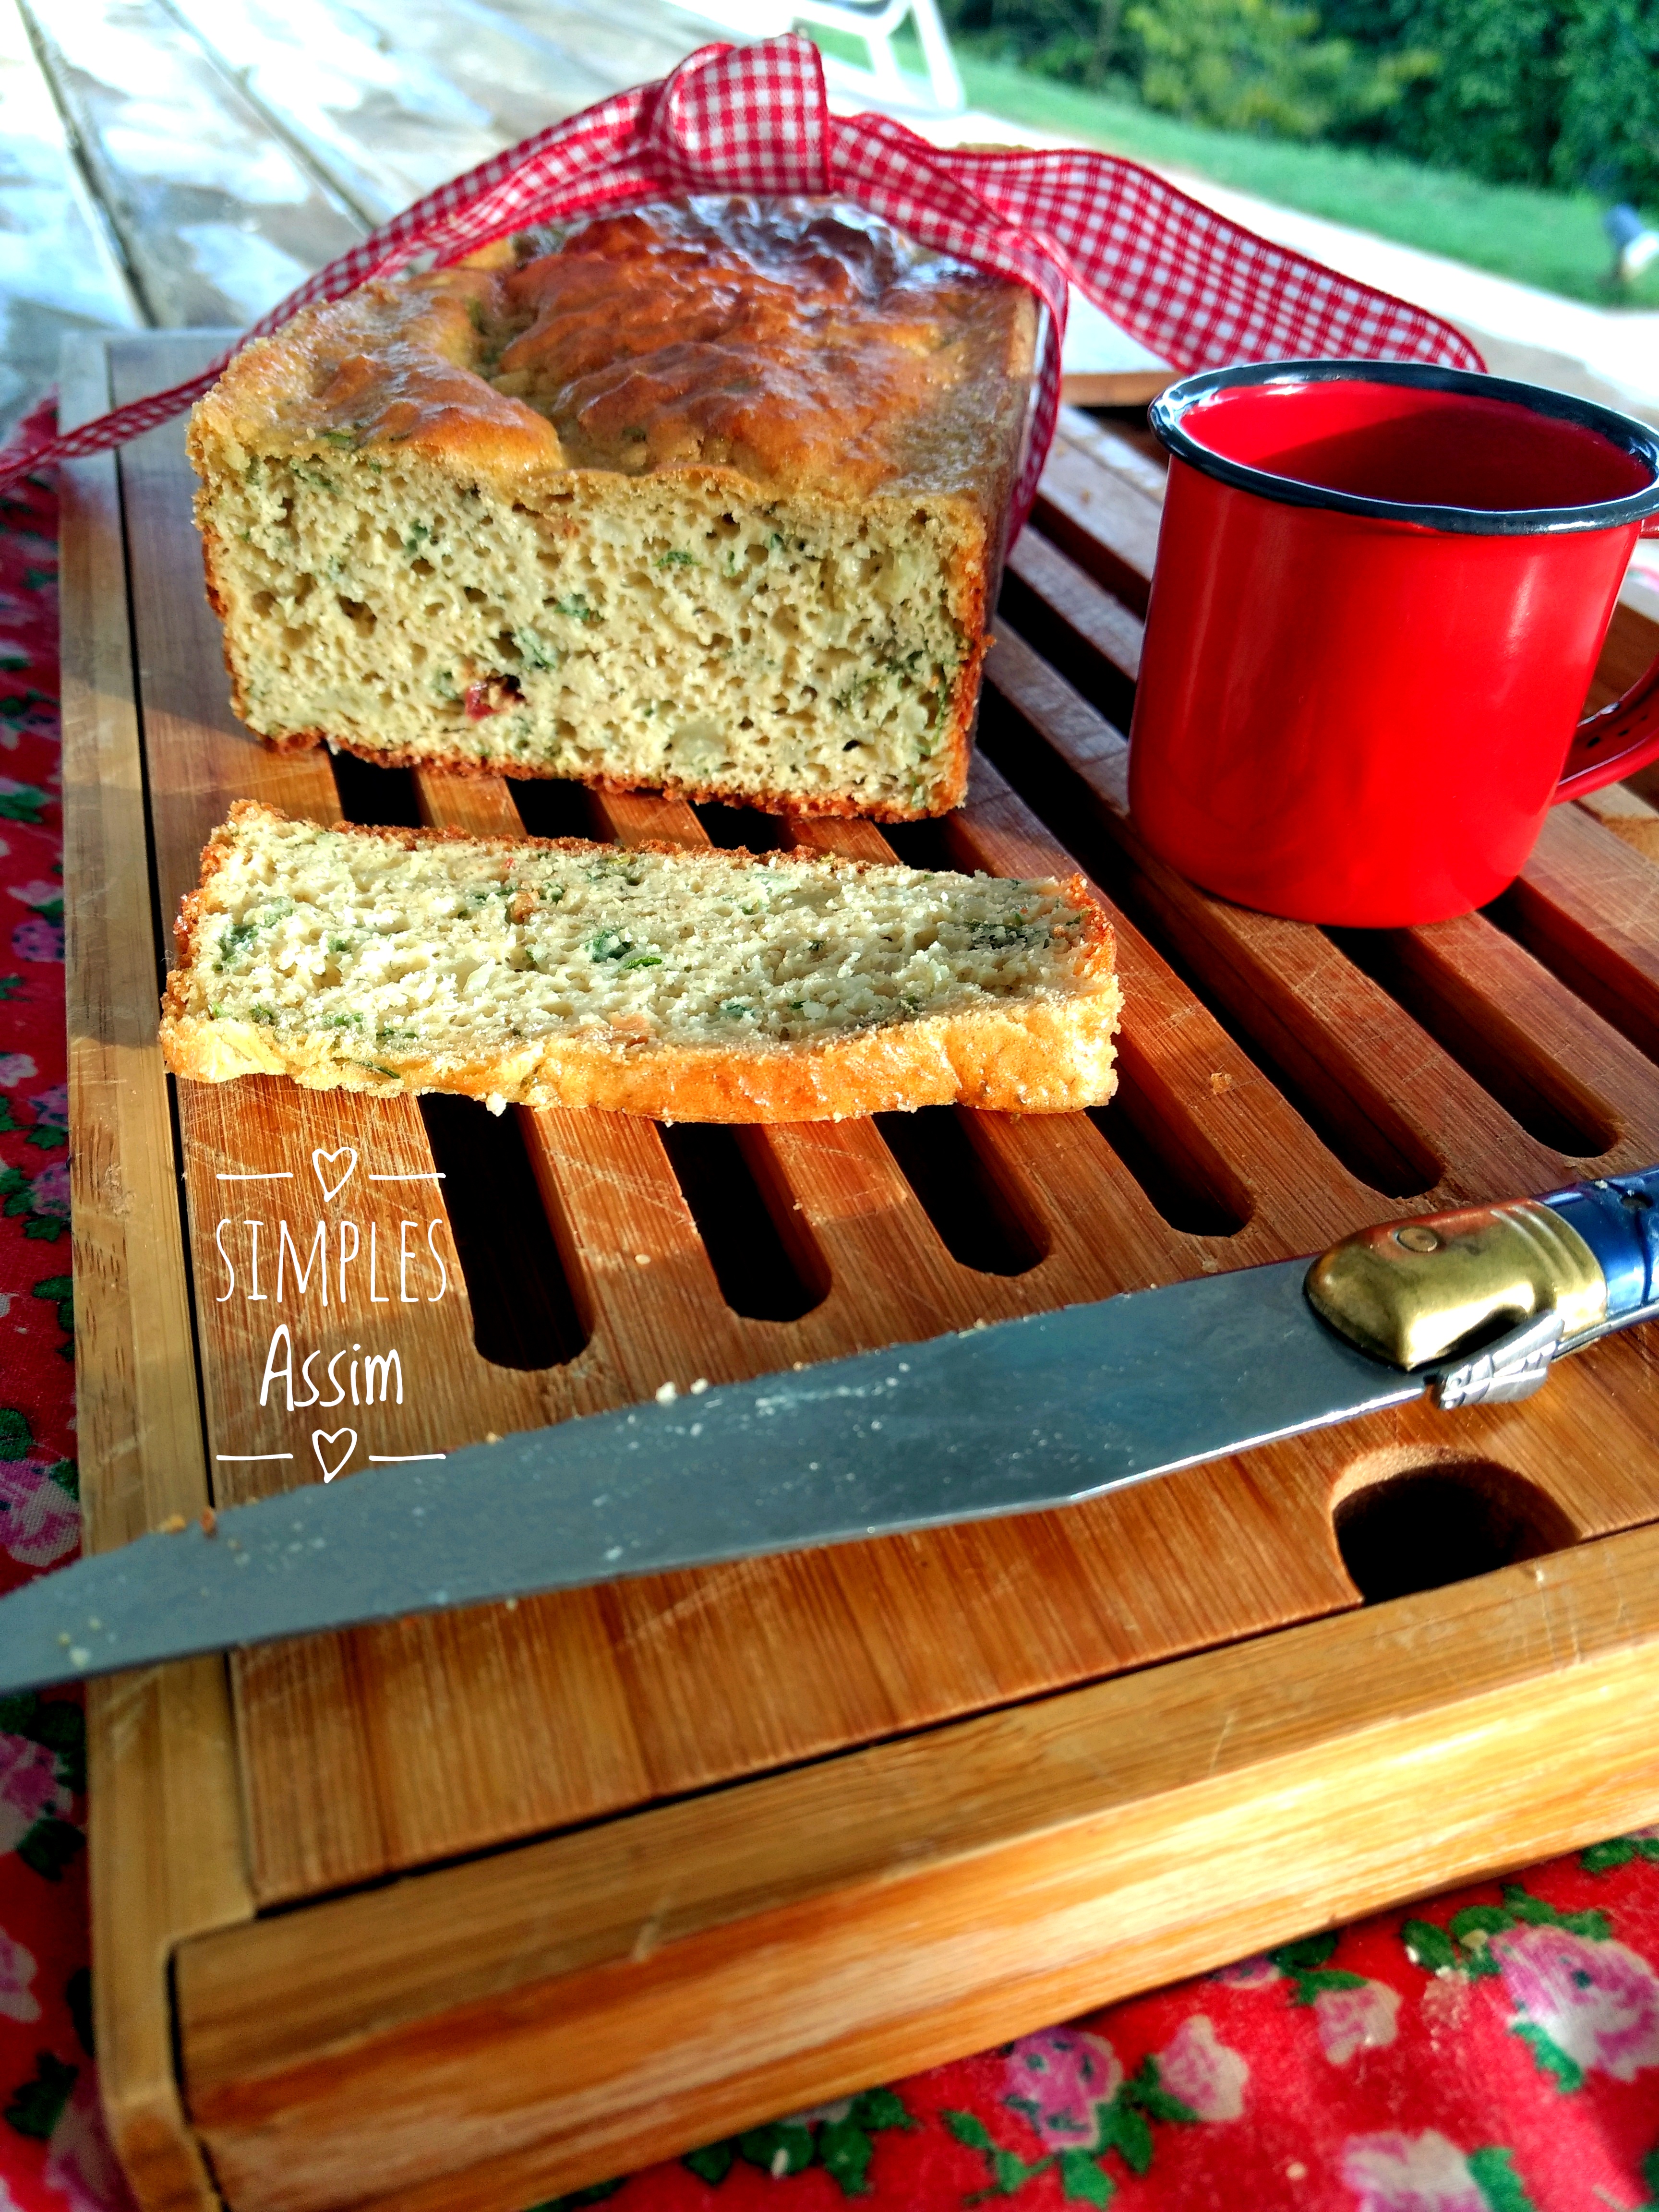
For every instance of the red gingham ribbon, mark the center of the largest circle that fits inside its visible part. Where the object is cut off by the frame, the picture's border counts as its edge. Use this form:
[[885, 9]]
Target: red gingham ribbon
[[1195, 289]]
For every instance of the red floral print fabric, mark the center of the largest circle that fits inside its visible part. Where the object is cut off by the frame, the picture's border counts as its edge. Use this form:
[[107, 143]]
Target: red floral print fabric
[[53, 2152], [1494, 2050]]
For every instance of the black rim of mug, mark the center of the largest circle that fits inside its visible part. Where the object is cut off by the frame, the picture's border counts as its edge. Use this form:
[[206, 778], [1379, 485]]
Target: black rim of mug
[[1622, 431]]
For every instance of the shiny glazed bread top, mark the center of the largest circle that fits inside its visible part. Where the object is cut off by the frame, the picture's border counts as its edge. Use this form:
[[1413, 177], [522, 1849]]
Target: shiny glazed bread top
[[807, 346]]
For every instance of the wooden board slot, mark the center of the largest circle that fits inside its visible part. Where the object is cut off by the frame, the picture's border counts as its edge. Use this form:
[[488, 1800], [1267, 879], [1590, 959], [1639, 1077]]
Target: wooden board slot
[[1586, 907], [523, 1312], [376, 797], [1076, 775], [984, 1218], [1108, 526], [548, 806], [1423, 1527], [761, 1272], [1078, 629], [742, 827], [919, 844], [1183, 1173], [1512, 1064]]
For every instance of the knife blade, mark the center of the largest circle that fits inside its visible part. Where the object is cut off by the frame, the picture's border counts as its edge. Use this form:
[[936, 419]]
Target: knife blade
[[1021, 1416]]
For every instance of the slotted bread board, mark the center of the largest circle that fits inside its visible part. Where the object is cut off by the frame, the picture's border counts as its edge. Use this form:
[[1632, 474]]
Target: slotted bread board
[[476, 1908]]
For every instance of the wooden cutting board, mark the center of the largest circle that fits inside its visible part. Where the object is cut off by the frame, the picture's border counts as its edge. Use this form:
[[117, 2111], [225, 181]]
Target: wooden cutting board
[[473, 1909]]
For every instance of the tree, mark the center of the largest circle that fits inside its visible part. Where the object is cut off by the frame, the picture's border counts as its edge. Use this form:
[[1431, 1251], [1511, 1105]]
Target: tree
[[1609, 130], [1259, 66]]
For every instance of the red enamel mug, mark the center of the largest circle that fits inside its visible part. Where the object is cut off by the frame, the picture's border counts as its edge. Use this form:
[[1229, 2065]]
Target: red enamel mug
[[1380, 594]]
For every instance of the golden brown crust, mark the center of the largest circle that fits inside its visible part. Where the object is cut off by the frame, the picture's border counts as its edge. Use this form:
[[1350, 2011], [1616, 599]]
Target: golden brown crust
[[800, 347], [1040, 1056], [1048, 1060]]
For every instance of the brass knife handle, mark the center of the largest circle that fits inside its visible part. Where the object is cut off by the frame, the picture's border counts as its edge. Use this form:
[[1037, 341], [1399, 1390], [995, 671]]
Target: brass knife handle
[[1486, 1296]]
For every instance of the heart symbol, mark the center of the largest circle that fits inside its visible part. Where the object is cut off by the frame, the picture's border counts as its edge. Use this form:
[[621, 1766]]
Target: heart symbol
[[320, 1159], [329, 1438]]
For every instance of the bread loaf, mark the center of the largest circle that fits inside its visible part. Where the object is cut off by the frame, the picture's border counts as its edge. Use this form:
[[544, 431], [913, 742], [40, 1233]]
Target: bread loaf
[[697, 985], [708, 498]]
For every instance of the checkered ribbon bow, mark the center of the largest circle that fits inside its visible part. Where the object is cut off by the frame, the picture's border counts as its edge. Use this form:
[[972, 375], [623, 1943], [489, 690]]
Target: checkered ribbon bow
[[1196, 290]]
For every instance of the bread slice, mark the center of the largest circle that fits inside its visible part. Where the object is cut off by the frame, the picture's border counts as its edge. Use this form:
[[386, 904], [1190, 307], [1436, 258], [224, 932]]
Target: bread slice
[[710, 499], [692, 986]]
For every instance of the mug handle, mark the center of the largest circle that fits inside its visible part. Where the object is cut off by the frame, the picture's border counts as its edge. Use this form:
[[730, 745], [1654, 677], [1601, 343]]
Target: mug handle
[[1618, 737]]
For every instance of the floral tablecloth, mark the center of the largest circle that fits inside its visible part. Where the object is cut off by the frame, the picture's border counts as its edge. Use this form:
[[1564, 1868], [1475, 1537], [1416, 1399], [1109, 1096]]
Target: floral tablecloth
[[1489, 2051]]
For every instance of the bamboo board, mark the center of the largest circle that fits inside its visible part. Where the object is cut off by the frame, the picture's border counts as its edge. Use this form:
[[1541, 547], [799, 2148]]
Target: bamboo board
[[1015, 1716]]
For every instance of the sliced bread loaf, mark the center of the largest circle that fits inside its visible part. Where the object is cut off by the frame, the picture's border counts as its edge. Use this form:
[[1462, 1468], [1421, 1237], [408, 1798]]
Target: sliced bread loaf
[[709, 497], [695, 986]]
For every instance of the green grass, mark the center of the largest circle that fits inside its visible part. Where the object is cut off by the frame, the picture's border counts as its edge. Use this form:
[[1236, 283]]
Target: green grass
[[1551, 239]]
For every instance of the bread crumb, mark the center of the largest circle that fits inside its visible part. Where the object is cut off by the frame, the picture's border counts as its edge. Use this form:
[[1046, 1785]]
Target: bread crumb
[[666, 1394], [172, 1525], [641, 1259], [1219, 1083], [699, 1386], [208, 1519]]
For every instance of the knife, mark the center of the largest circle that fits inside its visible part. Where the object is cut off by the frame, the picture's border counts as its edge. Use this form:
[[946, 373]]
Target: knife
[[1469, 1307]]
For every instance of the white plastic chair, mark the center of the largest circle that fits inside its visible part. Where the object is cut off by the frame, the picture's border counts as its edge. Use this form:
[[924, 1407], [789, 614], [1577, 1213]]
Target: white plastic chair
[[874, 21]]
